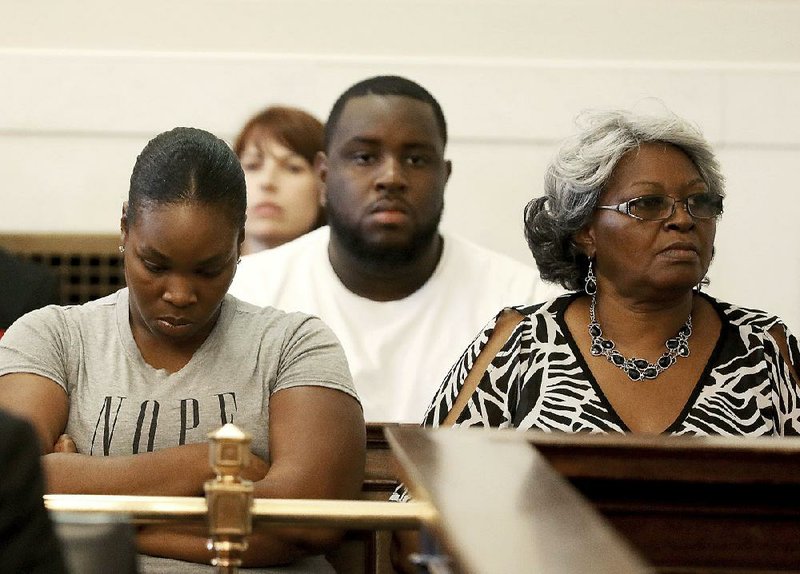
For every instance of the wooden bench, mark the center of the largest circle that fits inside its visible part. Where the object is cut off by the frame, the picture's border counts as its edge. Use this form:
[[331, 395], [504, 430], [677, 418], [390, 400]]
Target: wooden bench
[[701, 505], [367, 552], [691, 504], [502, 509]]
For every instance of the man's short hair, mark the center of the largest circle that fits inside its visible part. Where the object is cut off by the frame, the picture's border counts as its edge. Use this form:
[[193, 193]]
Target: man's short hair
[[384, 86]]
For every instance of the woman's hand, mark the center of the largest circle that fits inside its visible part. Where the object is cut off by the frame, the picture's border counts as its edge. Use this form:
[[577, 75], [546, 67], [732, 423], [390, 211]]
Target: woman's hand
[[317, 449], [317, 442], [152, 465], [256, 470], [65, 444]]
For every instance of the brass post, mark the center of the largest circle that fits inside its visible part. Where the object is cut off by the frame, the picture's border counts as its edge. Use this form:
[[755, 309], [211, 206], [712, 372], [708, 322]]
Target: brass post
[[229, 498]]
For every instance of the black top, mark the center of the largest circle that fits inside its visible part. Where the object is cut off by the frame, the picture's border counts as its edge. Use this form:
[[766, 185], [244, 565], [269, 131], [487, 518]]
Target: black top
[[27, 540], [24, 286], [540, 380]]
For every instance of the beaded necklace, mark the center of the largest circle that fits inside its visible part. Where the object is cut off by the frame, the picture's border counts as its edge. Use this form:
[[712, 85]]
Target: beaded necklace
[[638, 369]]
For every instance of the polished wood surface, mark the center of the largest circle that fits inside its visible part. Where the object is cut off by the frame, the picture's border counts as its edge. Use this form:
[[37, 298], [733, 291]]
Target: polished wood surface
[[380, 476], [502, 508], [729, 460], [690, 504], [367, 552]]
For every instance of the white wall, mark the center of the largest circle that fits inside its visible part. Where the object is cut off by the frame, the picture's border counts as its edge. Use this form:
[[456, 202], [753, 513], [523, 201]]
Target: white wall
[[83, 85]]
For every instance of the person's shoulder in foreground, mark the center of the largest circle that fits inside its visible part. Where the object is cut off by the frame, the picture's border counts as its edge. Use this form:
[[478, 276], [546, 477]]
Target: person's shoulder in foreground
[[27, 539]]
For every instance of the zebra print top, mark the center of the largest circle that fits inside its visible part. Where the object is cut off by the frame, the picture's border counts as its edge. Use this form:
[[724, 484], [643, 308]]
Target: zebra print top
[[539, 380]]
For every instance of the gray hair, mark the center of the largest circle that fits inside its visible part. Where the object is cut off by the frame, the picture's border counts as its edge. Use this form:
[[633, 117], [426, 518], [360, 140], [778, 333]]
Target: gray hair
[[580, 171]]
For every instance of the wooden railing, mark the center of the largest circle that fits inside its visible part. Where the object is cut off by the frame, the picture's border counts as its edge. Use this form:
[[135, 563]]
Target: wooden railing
[[501, 508], [704, 505], [691, 504]]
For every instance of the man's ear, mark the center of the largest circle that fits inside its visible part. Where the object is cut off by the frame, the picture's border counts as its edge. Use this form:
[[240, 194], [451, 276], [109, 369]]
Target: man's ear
[[448, 166], [584, 240], [123, 223], [240, 242], [321, 169]]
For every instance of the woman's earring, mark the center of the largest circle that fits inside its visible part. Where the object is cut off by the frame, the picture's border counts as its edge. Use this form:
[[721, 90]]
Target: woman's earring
[[121, 249], [703, 281], [590, 283]]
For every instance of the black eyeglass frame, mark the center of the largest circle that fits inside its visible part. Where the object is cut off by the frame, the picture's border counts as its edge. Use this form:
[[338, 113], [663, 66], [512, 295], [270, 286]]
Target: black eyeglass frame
[[625, 207]]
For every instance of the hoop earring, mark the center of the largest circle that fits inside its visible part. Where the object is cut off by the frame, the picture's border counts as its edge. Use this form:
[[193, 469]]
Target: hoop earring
[[590, 283], [699, 286]]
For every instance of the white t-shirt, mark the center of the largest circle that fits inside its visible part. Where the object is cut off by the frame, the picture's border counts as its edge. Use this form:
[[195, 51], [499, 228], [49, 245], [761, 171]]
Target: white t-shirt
[[398, 351]]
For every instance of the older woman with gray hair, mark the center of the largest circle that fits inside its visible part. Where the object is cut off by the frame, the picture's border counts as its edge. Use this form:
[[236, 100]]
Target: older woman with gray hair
[[627, 223]]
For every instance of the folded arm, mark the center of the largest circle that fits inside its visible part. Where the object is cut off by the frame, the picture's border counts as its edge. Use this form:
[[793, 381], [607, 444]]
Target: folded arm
[[317, 446], [317, 450], [176, 471]]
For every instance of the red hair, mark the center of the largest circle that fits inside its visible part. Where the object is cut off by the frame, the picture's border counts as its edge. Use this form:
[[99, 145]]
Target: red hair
[[291, 127]]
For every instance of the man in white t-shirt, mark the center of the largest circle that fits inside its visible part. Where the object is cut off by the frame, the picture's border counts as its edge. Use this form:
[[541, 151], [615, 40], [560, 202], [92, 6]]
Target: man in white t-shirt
[[404, 299]]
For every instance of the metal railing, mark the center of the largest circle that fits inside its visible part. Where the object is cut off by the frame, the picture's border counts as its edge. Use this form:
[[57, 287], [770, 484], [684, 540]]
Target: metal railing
[[230, 509]]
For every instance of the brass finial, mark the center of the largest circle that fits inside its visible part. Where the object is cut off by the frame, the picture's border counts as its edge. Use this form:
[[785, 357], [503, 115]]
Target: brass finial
[[229, 497]]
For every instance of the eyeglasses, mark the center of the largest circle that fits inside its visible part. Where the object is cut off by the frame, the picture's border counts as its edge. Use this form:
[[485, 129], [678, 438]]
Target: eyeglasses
[[660, 207]]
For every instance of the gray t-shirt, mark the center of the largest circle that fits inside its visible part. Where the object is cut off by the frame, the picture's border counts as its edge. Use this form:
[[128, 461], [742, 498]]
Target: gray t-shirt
[[120, 405]]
